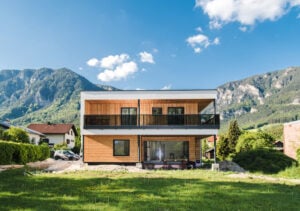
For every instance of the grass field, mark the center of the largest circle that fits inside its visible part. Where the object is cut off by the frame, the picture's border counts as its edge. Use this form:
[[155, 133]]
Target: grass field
[[155, 190]]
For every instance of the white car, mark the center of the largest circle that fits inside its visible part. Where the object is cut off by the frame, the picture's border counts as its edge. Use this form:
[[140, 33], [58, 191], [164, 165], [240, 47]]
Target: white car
[[65, 154]]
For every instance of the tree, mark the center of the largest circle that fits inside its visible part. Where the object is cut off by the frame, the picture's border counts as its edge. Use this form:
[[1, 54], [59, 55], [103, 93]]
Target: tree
[[204, 146], [1, 133], [223, 149], [233, 134], [77, 146], [254, 140], [17, 135]]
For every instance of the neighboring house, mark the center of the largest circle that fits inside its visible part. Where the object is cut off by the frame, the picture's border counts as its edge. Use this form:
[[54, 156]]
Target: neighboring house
[[149, 127], [57, 133], [291, 133], [34, 136]]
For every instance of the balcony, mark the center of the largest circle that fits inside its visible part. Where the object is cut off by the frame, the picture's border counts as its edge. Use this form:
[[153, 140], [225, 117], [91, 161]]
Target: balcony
[[201, 121]]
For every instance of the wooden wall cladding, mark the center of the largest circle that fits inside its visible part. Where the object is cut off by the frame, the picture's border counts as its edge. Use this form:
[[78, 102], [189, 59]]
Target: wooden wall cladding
[[109, 107], [100, 149]]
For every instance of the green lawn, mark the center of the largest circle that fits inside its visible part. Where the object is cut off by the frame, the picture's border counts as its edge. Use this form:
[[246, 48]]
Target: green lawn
[[155, 190]]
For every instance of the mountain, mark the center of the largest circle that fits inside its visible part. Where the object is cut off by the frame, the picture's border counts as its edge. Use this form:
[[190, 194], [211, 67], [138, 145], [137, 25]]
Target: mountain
[[48, 95], [259, 100], [42, 95]]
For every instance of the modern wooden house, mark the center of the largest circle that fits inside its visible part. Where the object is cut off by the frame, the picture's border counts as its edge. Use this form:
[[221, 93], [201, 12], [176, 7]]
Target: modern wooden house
[[155, 128]]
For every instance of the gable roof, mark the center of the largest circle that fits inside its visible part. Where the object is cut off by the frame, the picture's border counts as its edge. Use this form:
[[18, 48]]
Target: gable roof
[[50, 128]]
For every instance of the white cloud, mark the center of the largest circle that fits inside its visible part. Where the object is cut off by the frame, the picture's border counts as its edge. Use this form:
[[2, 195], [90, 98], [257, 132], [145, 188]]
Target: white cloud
[[93, 62], [243, 28], [122, 71], [199, 29], [146, 57], [246, 12], [155, 50], [139, 89], [216, 41], [167, 87], [113, 60], [200, 41], [197, 50]]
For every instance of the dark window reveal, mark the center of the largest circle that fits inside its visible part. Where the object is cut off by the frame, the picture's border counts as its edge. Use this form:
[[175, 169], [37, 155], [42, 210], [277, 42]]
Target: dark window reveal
[[121, 147]]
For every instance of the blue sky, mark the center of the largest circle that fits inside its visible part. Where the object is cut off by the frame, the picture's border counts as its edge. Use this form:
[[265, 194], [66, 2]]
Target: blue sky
[[152, 44]]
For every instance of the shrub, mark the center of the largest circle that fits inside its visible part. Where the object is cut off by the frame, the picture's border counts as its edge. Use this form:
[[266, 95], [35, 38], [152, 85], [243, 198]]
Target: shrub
[[263, 160], [254, 140], [60, 146], [17, 135], [21, 153]]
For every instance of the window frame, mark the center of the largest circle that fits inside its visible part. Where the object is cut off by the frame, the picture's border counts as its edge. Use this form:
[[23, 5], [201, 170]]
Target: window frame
[[114, 145], [158, 109]]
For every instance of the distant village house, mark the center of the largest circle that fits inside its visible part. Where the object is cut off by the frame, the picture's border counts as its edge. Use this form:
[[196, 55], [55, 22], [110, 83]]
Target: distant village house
[[57, 133]]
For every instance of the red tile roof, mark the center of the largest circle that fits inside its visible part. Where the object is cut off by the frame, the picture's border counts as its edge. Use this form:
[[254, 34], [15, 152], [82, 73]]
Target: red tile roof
[[52, 128]]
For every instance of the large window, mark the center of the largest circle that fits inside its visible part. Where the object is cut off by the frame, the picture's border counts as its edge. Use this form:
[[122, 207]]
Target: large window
[[166, 150], [121, 147]]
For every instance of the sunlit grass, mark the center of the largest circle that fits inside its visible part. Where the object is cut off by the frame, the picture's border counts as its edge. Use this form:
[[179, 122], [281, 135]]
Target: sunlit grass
[[154, 190]]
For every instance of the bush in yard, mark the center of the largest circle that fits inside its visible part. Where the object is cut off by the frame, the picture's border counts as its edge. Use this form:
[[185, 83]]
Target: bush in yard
[[17, 135], [21, 153], [254, 140], [263, 160], [60, 146]]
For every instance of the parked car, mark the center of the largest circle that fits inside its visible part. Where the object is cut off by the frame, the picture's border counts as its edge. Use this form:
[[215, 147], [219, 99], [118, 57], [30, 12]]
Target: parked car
[[65, 155]]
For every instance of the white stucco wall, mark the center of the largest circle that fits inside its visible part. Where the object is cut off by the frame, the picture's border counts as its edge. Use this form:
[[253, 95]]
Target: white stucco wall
[[62, 138], [35, 137]]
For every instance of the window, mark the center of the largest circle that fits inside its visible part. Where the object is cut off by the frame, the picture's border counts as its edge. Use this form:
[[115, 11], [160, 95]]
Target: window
[[129, 116], [68, 141], [175, 115], [121, 147], [166, 150], [156, 111]]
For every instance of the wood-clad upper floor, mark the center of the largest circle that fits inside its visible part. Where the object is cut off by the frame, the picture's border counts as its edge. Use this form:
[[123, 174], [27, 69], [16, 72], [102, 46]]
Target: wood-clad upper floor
[[114, 107]]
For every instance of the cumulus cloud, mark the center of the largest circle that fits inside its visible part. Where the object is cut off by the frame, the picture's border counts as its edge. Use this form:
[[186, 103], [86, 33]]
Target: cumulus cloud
[[114, 67], [246, 12], [121, 71], [113, 60], [146, 57], [200, 41], [93, 62], [167, 87]]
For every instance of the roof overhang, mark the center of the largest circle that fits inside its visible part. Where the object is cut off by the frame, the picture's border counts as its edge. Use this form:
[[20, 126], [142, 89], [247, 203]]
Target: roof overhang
[[149, 94]]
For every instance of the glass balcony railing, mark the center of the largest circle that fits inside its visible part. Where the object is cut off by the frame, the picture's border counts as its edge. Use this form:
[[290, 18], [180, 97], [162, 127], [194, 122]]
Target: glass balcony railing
[[152, 121]]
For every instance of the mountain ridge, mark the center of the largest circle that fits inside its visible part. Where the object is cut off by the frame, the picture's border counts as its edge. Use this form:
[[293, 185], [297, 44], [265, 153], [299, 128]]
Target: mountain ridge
[[53, 95]]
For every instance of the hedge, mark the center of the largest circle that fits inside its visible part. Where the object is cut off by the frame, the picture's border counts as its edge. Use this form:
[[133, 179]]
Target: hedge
[[20, 153], [268, 161]]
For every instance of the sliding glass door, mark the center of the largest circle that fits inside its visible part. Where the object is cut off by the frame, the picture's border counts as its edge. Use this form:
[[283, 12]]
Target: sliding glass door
[[158, 151]]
